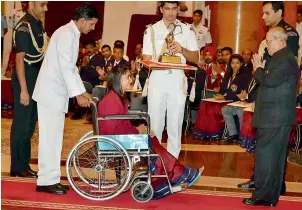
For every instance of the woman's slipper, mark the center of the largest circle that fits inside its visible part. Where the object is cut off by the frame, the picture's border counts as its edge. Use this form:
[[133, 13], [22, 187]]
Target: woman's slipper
[[197, 177]]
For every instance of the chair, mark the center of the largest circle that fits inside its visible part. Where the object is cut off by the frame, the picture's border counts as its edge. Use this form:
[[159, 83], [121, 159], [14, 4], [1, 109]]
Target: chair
[[193, 106]]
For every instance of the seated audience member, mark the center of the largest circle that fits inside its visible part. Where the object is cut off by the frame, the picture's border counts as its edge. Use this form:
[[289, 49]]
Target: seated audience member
[[139, 74], [229, 112], [122, 44], [219, 57], [91, 61], [114, 104], [89, 73], [247, 64], [226, 53], [117, 60], [136, 66], [213, 71], [118, 52], [209, 123], [107, 55], [97, 48]]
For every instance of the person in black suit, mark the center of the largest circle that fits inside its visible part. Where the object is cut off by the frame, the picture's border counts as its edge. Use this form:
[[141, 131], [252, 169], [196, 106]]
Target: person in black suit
[[89, 71], [273, 12], [247, 64], [275, 113], [89, 74]]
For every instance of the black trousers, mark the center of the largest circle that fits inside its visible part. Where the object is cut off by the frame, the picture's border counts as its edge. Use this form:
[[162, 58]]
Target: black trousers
[[270, 159], [24, 122]]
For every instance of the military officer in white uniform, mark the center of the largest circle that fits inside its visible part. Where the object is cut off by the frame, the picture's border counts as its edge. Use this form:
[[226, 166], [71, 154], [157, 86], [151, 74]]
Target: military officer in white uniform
[[203, 35], [167, 90], [59, 80]]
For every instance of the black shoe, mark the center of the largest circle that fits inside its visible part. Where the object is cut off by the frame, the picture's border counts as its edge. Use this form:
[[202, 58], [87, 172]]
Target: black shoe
[[247, 185], [256, 202], [33, 172], [63, 187], [53, 189], [26, 174], [233, 138]]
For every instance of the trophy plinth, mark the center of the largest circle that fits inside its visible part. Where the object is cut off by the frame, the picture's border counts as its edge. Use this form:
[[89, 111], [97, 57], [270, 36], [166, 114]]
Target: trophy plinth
[[170, 59]]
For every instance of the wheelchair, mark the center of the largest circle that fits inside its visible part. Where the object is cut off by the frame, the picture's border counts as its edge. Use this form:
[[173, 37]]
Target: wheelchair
[[101, 167]]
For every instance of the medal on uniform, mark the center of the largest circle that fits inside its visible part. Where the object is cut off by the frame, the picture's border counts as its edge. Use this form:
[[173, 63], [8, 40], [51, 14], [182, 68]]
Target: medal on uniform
[[167, 56]]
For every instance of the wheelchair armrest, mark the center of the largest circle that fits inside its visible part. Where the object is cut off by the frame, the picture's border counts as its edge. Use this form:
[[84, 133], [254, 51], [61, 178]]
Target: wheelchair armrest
[[121, 117], [134, 111]]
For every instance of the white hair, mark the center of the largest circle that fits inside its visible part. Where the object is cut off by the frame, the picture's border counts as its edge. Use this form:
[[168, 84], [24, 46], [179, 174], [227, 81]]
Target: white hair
[[279, 33]]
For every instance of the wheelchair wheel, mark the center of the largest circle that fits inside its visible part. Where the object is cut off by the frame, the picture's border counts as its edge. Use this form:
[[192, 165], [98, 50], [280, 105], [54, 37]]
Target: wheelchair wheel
[[98, 174], [142, 192]]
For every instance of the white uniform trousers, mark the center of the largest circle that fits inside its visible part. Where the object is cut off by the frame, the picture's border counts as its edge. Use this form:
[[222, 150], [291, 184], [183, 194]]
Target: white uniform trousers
[[51, 130], [166, 94]]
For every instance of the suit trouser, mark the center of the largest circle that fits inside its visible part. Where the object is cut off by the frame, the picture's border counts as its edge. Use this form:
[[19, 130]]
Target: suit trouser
[[166, 94], [51, 130], [270, 158], [23, 125], [228, 113]]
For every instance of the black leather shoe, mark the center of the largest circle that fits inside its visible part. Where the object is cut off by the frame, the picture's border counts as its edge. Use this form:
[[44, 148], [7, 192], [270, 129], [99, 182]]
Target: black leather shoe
[[34, 173], [247, 185], [64, 187], [256, 202], [25, 174], [53, 189], [233, 138]]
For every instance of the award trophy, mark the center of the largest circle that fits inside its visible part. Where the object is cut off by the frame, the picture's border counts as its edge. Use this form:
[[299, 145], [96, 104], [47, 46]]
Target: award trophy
[[168, 57]]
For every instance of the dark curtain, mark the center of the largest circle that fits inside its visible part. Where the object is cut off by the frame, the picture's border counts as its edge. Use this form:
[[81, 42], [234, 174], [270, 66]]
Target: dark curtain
[[61, 12], [138, 25]]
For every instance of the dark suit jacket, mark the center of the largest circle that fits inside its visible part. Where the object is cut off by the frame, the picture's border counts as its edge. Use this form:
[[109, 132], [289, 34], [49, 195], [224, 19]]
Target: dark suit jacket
[[240, 83], [248, 68], [252, 91], [122, 62], [276, 98], [89, 74]]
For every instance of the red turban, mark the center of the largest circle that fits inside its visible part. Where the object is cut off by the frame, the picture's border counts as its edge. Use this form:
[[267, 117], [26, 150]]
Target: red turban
[[211, 50]]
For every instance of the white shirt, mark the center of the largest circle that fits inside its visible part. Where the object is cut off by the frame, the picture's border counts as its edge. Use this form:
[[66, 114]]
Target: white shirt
[[186, 39], [58, 78], [203, 36]]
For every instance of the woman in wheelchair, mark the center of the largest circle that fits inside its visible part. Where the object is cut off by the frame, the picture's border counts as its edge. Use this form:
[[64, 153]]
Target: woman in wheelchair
[[114, 103]]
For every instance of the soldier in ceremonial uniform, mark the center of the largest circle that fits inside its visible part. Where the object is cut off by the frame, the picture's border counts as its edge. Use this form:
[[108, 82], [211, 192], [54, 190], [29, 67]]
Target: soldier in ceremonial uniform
[[168, 88], [30, 42], [273, 12]]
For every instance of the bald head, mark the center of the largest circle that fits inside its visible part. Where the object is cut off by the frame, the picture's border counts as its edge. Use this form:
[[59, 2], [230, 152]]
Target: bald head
[[276, 39]]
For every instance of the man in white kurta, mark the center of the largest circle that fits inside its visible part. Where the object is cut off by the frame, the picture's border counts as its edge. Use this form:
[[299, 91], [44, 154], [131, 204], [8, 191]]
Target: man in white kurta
[[167, 90], [58, 81]]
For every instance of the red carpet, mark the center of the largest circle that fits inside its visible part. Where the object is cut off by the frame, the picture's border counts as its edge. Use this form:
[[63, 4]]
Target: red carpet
[[20, 194]]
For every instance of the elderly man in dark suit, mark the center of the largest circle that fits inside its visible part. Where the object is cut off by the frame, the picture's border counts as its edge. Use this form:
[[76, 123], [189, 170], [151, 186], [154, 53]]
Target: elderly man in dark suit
[[275, 112]]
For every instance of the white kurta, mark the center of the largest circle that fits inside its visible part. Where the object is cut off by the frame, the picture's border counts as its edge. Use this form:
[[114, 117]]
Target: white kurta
[[166, 88], [58, 81]]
